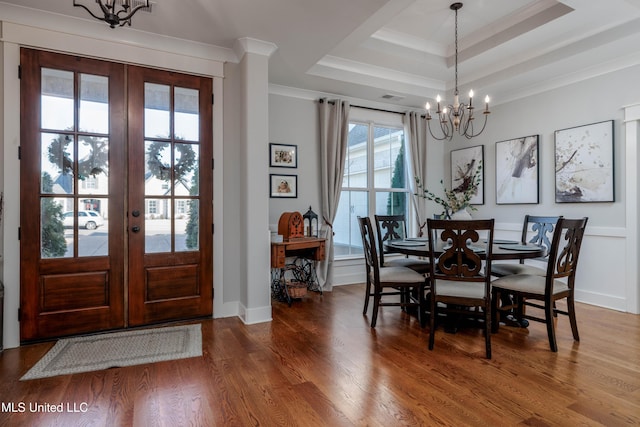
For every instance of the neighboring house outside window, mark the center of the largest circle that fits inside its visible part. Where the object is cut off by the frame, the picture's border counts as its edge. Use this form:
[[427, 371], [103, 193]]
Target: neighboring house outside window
[[89, 183], [152, 207], [374, 182]]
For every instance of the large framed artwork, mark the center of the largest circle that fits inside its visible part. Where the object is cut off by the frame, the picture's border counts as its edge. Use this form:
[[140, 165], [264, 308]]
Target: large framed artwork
[[584, 163], [517, 171], [465, 163], [283, 186]]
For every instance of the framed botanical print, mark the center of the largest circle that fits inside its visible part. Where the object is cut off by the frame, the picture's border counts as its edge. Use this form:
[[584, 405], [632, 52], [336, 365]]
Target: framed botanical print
[[283, 155], [517, 171], [584, 163], [466, 164]]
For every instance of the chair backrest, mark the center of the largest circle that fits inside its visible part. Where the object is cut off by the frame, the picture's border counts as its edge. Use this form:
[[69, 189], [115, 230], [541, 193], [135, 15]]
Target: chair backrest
[[457, 251], [389, 227], [563, 257], [542, 226], [369, 247]]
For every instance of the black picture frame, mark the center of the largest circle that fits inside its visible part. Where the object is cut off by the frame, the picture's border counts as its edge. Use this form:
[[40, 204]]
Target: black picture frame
[[464, 164], [518, 171], [283, 155], [584, 163], [283, 186]]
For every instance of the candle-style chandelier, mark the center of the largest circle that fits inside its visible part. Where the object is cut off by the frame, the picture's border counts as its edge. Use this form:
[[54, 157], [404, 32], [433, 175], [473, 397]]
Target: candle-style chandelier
[[116, 12], [457, 117]]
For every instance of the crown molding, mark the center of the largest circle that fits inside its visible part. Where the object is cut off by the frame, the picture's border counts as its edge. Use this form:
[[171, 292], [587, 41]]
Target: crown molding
[[245, 45]]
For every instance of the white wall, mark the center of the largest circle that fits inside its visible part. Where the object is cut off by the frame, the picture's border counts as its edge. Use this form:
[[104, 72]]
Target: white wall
[[232, 189], [605, 277], [295, 121]]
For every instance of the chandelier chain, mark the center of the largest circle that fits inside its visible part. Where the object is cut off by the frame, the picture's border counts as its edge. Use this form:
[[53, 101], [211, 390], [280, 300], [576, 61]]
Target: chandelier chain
[[456, 52], [458, 116]]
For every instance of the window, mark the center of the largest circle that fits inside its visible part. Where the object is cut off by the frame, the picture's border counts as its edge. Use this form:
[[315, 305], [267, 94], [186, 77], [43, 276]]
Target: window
[[152, 207], [374, 181]]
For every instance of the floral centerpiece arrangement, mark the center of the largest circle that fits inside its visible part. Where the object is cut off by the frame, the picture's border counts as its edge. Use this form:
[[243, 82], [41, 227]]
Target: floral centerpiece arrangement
[[455, 199]]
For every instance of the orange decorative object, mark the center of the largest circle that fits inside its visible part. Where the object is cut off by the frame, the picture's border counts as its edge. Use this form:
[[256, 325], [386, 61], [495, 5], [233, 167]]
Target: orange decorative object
[[291, 225]]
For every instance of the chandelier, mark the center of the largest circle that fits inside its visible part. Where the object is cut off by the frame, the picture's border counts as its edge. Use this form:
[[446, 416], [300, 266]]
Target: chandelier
[[459, 116], [114, 16]]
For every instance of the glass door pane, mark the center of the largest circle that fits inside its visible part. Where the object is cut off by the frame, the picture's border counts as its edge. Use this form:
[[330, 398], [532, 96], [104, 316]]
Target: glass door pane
[[74, 165], [171, 188]]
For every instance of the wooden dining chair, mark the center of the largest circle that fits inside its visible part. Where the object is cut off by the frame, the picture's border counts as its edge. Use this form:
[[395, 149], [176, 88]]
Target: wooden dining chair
[[460, 285], [542, 227], [557, 283], [383, 282], [394, 227]]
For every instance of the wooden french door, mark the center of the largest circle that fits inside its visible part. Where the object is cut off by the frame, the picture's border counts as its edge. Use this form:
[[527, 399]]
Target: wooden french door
[[170, 196], [116, 196]]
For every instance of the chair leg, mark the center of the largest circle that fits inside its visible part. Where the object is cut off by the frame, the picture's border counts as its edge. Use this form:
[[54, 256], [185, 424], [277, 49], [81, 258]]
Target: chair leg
[[551, 330], [432, 323], [495, 312], [571, 309], [376, 307], [367, 295], [520, 308], [420, 291], [487, 330]]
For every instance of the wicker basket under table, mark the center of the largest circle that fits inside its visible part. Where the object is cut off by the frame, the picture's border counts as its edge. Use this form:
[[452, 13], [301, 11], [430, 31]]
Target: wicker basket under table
[[296, 289]]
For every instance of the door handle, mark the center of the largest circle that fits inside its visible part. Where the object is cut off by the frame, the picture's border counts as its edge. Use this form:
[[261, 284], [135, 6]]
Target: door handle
[[135, 229], [136, 213]]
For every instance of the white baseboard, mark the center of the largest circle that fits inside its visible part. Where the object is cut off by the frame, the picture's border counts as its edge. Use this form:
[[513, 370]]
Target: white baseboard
[[228, 309], [254, 315], [601, 300]]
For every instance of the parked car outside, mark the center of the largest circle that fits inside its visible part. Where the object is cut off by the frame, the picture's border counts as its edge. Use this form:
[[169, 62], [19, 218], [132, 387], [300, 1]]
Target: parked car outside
[[86, 219]]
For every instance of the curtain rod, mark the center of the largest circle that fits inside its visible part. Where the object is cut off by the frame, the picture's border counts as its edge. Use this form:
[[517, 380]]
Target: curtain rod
[[321, 100]]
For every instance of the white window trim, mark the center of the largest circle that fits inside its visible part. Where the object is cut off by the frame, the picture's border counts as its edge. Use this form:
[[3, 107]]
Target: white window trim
[[370, 188]]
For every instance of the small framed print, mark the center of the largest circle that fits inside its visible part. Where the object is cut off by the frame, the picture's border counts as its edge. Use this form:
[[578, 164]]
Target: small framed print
[[464, 166], [283, 155], [283, 186]]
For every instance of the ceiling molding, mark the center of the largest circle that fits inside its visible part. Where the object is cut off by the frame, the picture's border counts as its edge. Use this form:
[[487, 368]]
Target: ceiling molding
[[507, 29], [311, 95], [347, 66], [246, 45], [370, 48], [92, 29]]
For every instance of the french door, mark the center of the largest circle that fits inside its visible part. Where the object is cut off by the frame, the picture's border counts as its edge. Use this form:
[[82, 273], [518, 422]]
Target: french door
[[116, 196]]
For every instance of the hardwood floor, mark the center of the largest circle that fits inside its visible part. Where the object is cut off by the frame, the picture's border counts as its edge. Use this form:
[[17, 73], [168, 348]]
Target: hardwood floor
[[319, 363]]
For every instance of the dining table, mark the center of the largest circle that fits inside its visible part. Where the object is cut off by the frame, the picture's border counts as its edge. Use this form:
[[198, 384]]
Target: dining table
[[501, 250]]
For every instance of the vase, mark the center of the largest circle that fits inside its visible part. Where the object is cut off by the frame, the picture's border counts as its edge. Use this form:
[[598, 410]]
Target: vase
[[462, 214]]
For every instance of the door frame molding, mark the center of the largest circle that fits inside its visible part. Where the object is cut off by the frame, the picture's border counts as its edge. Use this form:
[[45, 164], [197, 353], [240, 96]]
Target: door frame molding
[[193, 60]]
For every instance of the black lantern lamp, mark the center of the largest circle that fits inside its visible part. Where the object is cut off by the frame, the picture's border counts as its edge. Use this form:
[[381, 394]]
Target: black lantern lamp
[[310, 223]]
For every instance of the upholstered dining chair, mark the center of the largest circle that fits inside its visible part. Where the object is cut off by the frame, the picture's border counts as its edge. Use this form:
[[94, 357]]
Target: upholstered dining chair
[[542, 227], [383, 282], [558, 282], [394, 227], [460, 285]]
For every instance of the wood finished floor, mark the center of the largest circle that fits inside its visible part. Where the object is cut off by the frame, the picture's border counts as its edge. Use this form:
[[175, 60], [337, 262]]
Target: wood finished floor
[[320, 364]]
